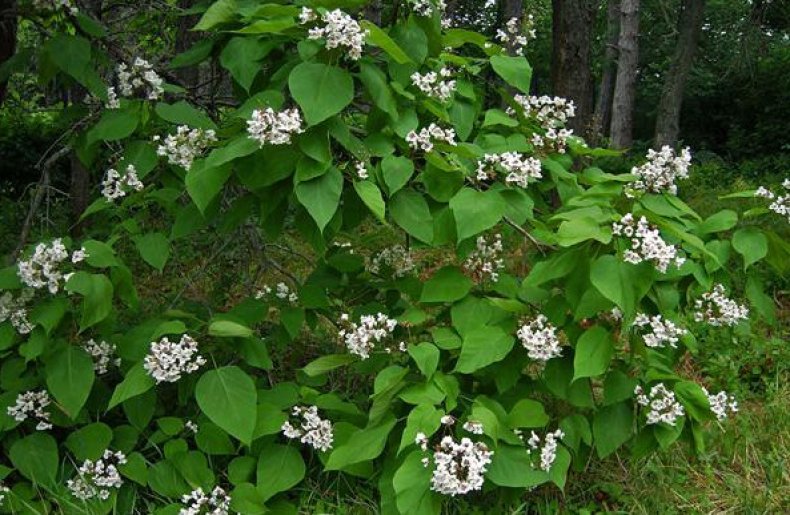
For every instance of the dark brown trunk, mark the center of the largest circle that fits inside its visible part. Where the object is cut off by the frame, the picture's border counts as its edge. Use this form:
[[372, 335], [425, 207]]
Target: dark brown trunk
[[8, 24], [571, 77], [373, 12], [668, 117], [625, 85], [602, 118]]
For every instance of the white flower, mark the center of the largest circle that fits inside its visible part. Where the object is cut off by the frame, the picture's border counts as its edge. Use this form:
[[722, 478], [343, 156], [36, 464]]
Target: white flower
[[473, 426], [780, 203], [459, 466], [663, 406], [721, 403], [115, 185], [138, 79], [646, 243], [185, 145], [662, 169], [548, 453], [517, 34], [66, 6], [167, 361], [485, 262], [306, 15], [97, 477], [427, 7], [716, 309], [113, 102], [663, 332], [197, 502], [339, 30], [191, 426], [551, 113], [42, 269], [274, 128], [103, 355], [425, 139], [422, 440], [32, 404], [362, 338], [282, 292], [435, 85], [519, 169], [310, 428], [396, 258], [362, 170], [14, 309], [540, 339]]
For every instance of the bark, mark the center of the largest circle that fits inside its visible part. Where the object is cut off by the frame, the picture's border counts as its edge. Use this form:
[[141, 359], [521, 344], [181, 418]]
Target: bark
[[602, 118], [373, 12], [668, 118], [571, 76], [625, 85], [8, 25], [185, 38]]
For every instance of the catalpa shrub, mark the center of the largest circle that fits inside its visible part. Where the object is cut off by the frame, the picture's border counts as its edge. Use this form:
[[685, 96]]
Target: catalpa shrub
[[527, 318]]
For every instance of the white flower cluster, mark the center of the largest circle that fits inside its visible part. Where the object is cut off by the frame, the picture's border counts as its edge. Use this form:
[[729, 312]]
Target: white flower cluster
[[484, 263], [721, 403], [663, 332], [191, 426], [167, 361], [115, 185], [716, 309], [395, 258], [459, 466], [103, 355], [32, 404], [540, 339], [137, 79], [519, 169], [662, 169], [425, 139], [662, 404], [780, 203], [14, 309], [198, 503], [55, 5], [275, 128], [362, 338], [474, 427], [282, 292], [185, 145], [3, 491], [428, 7], [551, 113], [517, 34], [310, 429], [339, 30], [435, 85], [362, 170], [42, 269], [97, 477], [646, 243], [548, 452]]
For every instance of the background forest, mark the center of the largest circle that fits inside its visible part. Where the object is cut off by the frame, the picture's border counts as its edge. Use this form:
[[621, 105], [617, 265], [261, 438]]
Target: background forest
[[712, 75]]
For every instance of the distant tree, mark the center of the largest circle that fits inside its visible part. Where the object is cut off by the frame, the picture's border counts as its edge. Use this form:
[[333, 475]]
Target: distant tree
[[602, 118], [622, 129], [8, 25]]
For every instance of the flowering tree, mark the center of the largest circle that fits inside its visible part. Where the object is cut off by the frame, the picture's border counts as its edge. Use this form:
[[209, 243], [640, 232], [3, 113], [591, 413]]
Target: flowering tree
[[475, 376]]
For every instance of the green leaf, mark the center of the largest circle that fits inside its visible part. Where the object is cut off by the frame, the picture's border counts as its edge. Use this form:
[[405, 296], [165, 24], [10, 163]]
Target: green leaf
[[280, 468], [327, 363], [229, 329], [371, 196], [516, 71], [36, 458], [751, 243], [96, 291], [100, 254], [363, 445], [228, 398], [204, 183], [620, 282], [412, 483], [582, 229], [222, 11], [594, 351], [320, 90], [136, 382], [483, 346], [241, 57], [89, 442], [527, 413], [397, 170], [718, 222], [422, 419], [426, 356], [476, 211], [182, 113], [512, 467], [70, 378], [321, 196], [381, 39], [612, 427], [410, 211], [113, 125], [154, 248], [378, 88], [448, 284]]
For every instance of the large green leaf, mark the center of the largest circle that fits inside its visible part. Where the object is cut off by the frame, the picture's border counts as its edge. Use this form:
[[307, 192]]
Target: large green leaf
[[89, 442], [327, 363], [612, 427], [378, 88], [320, 90], [447, 285], [136, 382], [321, 196], [515, 70], [205, 182], [751, 243], [483, 346], [422, 419], [364, 445], [113, 125], [279, 469], [476, 211], [512, 467], [381, 39], [410, 211], [594, 351], [221, 11], [154, 248], [96, 291], [228, 398], [620, 282], [182, 113], [70, 378], [412, 483], [36, 458], [241, 57], [371, 196], [397, 170]]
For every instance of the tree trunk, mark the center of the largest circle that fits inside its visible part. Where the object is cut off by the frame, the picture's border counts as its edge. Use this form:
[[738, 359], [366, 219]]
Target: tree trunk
[[625, 85], [8, 24], [602, 118], [571, 76], [185, 38], [668, 118], [373, 12]]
